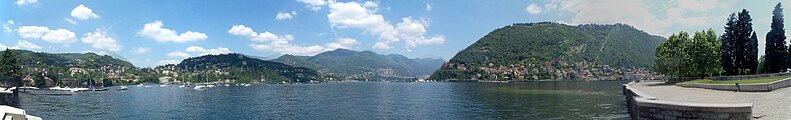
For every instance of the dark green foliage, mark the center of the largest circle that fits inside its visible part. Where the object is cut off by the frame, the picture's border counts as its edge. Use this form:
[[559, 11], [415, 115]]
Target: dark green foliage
[[10, 70], [244, 69], [536, 43], [775, 51], [740, 45], [347, 62]]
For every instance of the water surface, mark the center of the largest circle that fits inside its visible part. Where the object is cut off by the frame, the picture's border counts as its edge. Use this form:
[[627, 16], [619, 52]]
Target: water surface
[[352, 100]]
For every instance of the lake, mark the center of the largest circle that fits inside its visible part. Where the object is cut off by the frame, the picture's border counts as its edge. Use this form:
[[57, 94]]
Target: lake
[[348, 100]]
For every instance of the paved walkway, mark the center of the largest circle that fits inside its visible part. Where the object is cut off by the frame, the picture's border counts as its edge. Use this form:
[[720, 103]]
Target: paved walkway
[[775, 105]]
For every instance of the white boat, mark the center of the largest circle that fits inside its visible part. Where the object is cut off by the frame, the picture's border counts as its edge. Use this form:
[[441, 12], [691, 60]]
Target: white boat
[[140, 85], [226, 85], [246, 84], [210, 86], [200, 87], [163, 85], [147, 86], [181, 86], [122, 88]]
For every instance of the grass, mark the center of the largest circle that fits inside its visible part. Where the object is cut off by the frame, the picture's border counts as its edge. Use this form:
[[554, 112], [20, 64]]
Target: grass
[[747, 81]]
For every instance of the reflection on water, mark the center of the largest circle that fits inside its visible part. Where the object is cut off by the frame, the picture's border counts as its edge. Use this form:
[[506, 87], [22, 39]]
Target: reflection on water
[[356, 100]]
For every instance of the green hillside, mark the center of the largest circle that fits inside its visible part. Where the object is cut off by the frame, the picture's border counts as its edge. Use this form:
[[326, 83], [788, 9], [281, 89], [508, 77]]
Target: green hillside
[[552, 51], [348, 64], [244, 69]]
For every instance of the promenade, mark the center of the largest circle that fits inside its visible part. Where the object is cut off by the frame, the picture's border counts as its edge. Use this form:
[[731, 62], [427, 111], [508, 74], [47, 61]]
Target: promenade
[[774, 105]]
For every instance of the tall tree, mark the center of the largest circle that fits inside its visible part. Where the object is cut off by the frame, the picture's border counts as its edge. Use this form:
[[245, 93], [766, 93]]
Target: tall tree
[[745, 44], [728, 48], [775, 50], [9, 70]]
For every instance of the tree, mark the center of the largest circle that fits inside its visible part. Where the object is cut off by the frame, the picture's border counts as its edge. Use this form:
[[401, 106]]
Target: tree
[[740, 45], [670, 55], [704, 54], [9, 70], [728, 47], [775, 50]]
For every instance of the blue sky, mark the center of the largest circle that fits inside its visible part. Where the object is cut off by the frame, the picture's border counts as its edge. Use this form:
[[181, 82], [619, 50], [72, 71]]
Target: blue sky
[[150, 33]]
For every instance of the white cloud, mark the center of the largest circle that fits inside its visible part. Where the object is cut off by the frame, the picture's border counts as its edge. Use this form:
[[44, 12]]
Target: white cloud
[[428, 7], [99, 39], [141, 50], [285, 15], [344, 43], [178, 54], [269, 42], [3, 47], [314, 5], [26, 45], [165, 62], [533, 9], [241, 30], [70, 21], [699, 5], [155, 31], [26, 2], [32, 32], [81, 12], [354, 15], [412, 32], [201, 51], [61, 36], [647, 17], [7, 26]]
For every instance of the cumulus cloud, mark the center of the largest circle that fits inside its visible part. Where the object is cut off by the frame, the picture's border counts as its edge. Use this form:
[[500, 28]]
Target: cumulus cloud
[[141, 50], [354, 15], [201, 51], [165, 62], [641, 15], [7, 26], [155, 31], [533, 9], [26, 2], [178, 54], [61, 36], [344, 43], [269, 42], [314, 5], [99, 39], [26, 45], [81, 12], [285, 15]]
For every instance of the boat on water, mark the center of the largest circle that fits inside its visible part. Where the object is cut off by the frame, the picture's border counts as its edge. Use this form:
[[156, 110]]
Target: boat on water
[[210, 86], [122, 88], [100, 89], [200, 87], [163, 85], [226, 85], [140, 85]]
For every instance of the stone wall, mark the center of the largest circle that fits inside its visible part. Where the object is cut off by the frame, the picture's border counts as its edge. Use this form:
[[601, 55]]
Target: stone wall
[[763, 87], [645, 107], [742, 77]]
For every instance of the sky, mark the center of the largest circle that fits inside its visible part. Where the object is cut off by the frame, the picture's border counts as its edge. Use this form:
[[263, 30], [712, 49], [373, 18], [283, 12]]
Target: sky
[[153, 32]]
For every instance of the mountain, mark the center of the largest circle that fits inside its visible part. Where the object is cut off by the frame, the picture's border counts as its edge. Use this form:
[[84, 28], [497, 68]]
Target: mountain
[[361, 65], [82, 60], [537, 51], [240, 67]]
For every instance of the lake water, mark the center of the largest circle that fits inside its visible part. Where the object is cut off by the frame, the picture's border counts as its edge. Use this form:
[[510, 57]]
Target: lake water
[[351, 100]]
